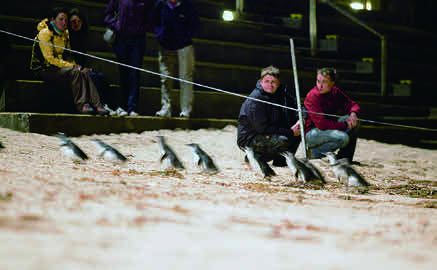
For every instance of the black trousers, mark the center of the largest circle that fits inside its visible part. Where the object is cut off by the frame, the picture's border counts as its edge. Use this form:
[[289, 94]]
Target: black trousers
[[269, 147]]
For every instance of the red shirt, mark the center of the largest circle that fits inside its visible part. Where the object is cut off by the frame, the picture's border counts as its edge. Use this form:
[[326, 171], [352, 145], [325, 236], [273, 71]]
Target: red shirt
[[334, 102]]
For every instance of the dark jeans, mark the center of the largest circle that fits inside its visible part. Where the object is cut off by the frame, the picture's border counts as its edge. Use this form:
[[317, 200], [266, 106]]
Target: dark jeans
[[101, 84], [269, 147], [130, 51]]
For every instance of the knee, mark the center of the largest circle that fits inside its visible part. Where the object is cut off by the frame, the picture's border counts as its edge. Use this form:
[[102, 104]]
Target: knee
[[341, 137]]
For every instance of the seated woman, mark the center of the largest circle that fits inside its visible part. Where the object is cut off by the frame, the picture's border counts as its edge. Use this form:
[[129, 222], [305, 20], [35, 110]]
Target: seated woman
[[49, 63], [79, 36]]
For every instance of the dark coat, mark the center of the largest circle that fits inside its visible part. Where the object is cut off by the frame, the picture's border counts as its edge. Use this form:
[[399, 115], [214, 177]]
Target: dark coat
[[175, 27], [261, 118], [128, 18]]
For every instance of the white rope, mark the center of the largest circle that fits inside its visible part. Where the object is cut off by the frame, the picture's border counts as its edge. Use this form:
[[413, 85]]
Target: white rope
[[210, 87]]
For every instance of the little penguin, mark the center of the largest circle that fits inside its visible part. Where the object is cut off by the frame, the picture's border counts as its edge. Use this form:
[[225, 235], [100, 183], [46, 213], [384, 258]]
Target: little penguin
[[168, 156], [344, 172], [257, 164], [108, 152], [70, 149], [303, 170], [203, 159]]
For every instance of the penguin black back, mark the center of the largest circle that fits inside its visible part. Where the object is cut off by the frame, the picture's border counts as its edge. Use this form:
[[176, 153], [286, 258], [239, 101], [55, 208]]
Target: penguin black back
[[203, 159], [168, 155]]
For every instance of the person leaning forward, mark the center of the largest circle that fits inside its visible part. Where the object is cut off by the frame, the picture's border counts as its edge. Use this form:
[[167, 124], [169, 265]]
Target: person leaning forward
[[269, 130], [325, 133]]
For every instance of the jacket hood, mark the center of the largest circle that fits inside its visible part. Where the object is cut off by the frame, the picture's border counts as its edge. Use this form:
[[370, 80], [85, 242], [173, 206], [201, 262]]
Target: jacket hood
[[43, 24]]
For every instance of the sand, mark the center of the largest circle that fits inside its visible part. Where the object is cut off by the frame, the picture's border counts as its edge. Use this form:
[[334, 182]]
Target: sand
[[60, 214]]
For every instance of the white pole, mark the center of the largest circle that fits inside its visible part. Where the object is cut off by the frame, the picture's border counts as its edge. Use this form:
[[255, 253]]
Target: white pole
[[299, 107]]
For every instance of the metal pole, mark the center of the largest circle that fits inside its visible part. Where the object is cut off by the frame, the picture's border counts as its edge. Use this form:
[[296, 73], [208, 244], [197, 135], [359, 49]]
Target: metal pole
[[313, 27], [239, 6], [384, 66], [299, 107]]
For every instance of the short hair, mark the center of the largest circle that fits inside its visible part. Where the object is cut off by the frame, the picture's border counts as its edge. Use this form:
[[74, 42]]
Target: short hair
[[270, 70], [327, 71], [57, 10]]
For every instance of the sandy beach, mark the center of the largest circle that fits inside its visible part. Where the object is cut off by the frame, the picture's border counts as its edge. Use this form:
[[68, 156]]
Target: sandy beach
[[60, 214]]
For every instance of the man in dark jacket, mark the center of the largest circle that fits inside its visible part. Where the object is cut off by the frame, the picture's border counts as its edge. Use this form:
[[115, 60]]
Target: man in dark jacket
[[269, 130], [176, 21]]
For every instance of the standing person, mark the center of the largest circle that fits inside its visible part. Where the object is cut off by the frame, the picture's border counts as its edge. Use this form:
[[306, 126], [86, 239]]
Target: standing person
[[128, 19], [49, 62], [176, 21], [325, 133], [269, 130], [79, 36]]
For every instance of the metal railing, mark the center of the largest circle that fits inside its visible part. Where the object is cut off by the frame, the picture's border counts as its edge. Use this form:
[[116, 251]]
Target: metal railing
[[313, 37]]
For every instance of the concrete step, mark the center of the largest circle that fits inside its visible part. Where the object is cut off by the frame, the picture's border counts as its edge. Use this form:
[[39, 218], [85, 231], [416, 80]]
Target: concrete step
[[36, 96], [206, 50], [235, 78], [76, 125]]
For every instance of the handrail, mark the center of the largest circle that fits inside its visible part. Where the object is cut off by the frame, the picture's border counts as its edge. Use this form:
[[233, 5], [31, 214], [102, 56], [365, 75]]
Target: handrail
[[373, 31]]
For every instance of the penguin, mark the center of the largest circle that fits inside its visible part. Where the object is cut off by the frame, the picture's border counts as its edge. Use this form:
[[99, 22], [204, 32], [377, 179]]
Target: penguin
[[303, 170], [168, 156], [70, 149], [257, 164], [203, 159], [108, 152], [344, 172]]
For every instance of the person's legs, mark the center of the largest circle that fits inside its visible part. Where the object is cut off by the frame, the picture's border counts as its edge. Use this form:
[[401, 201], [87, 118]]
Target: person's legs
[[186, 68], [349, 150], [166, 59], [120, 49], [323, 141], [269, 146], [135, 58]]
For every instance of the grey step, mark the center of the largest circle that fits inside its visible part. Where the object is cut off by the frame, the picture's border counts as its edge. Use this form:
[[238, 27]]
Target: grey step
[[208, 50], [35, 96], [76, 124], [235, 78]]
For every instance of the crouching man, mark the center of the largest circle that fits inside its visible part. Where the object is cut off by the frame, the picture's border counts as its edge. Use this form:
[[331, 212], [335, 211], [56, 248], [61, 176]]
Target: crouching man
[[267, 129]]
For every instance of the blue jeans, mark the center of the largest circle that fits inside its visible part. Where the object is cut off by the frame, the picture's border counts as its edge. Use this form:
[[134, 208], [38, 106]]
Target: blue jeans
[[130, 51], [323, 141]]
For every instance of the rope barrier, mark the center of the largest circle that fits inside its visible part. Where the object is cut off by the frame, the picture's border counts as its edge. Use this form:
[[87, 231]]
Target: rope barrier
[[210, 87]]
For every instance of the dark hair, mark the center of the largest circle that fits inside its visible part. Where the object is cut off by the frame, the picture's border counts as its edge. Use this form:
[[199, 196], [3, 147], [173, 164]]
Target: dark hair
[[76, 12], [55, 11], [327, 71]]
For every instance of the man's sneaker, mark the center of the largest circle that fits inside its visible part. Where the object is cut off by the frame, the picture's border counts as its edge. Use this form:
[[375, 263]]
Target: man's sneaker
[[120, 112], [164, 112], [111, 111], [184, 114], [133, 113]]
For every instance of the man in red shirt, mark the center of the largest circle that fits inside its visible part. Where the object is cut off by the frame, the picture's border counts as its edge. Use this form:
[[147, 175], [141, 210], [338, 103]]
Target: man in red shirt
[[326, 133]]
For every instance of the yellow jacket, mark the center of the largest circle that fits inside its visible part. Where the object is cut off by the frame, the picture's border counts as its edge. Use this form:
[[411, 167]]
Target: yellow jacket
[[48, 40]]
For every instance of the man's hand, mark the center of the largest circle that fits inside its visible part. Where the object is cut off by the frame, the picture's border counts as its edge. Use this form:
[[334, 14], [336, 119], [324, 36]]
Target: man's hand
[[352, 121], [296, 129]]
